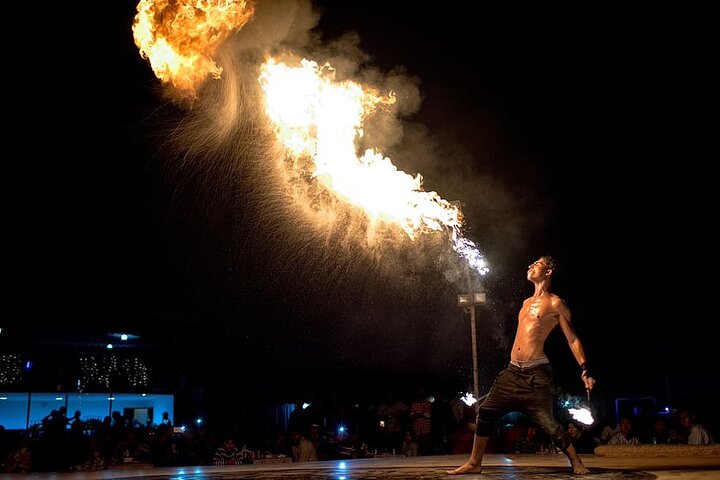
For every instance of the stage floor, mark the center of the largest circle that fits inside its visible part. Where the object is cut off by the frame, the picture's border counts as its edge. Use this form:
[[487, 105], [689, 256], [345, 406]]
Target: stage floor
[[496, 467]]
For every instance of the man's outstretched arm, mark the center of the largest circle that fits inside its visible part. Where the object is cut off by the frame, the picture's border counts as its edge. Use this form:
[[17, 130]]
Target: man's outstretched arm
[[576, 347]]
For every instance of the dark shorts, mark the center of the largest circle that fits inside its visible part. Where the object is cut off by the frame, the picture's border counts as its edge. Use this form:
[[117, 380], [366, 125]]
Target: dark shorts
[[528, 390]]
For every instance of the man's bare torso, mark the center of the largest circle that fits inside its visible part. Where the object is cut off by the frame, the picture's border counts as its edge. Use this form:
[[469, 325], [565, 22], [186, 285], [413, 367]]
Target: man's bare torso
[[537, 318]]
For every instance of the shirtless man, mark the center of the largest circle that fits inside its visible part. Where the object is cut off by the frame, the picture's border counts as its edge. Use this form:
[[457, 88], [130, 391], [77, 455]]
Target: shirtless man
[[526, 384]]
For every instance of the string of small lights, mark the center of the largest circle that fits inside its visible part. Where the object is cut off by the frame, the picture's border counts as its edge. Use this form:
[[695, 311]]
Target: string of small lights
[[10, 369], [101, 370]]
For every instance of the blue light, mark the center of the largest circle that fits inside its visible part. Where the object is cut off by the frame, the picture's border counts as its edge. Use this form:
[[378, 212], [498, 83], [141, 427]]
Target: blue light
[[28, 365], [342, 465], [109, 346], [341, 429], [199, 421]]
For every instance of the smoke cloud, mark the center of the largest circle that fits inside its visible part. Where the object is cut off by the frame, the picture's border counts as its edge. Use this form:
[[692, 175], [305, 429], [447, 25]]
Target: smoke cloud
[[254, 233]]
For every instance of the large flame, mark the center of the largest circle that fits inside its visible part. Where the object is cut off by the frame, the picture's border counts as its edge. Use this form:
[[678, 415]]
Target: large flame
[[179, 37], [316, 116]]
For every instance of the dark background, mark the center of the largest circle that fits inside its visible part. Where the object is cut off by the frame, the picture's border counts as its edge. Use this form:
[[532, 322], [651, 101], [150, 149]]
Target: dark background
[[588, 123]]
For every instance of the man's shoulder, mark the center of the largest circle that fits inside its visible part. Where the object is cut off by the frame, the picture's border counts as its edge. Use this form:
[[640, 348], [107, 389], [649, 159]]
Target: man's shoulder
[[557, 300]]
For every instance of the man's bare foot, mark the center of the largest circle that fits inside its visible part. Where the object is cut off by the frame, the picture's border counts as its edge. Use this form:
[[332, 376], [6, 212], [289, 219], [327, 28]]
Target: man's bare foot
[[580, 469], [466, 468], [577, 464]]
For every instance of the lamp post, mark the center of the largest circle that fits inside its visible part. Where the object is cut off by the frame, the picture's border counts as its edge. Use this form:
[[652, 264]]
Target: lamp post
[[469, 300]]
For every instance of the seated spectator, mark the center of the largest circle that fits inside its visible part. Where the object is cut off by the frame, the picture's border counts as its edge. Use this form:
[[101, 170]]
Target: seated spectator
[[603, 429], [624, 436], [678, 433], [302, 449], [320, 442], [228, 454], [278, 444], [659, 434], [409, 446], [580, 438], [94, 461], [529, 442], [697, 433], [20, 459]]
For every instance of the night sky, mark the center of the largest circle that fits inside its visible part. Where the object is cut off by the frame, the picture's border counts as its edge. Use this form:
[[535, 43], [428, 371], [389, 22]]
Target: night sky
[[571, 133]]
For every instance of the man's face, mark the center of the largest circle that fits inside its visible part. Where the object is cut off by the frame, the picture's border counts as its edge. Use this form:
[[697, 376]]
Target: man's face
[[537, 270]]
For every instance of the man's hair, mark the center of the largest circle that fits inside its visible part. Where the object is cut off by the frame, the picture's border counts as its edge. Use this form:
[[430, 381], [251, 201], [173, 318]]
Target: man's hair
[[549, 261]]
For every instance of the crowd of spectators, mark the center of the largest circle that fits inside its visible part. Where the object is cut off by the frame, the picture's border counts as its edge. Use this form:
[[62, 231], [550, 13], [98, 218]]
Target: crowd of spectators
[[423, 425]]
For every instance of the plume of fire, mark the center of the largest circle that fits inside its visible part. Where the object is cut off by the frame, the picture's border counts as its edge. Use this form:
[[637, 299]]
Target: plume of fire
[[180, 37], [316, 116]]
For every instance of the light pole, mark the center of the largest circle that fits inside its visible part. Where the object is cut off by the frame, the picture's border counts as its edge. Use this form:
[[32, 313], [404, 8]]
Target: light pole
[[469, 300]]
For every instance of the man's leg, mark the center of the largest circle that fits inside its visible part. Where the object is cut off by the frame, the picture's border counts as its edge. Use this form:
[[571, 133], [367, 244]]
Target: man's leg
[[539, 408], [577, 465], [474, 463], [559, 436], [562, 440], [498, 401]]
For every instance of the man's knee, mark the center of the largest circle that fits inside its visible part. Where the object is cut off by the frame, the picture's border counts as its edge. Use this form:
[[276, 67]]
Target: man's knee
[[560, 438], [484, 426], [484, 430]]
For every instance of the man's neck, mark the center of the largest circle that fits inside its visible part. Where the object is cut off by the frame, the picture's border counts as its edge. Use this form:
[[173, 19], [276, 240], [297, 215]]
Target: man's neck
[[541, 288]]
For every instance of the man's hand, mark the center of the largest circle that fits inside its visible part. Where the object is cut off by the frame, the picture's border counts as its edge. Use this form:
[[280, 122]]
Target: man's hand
[[587, 377], [587, 380]]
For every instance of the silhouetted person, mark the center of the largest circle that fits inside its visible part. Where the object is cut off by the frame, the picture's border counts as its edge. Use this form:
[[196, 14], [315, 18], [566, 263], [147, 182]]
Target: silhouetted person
[[166, 419], [421, 421], [77, 439], [393, 413], [55, 440]]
